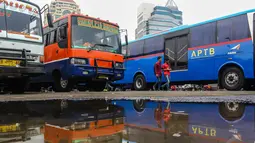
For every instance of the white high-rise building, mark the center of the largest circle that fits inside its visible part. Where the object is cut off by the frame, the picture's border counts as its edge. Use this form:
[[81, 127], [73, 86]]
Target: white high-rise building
[[60, 8], [152, 19]]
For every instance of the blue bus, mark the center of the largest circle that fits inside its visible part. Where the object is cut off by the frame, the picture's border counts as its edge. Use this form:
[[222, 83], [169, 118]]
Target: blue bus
[[193, 122], [219, 51]]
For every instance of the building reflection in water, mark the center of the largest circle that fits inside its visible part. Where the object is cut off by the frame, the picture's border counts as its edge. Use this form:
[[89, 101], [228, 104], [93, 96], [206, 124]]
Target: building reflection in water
[[99, 121]]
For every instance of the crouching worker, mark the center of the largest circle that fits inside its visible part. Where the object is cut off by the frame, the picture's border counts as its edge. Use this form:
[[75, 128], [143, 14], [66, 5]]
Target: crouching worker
[[166, 68]]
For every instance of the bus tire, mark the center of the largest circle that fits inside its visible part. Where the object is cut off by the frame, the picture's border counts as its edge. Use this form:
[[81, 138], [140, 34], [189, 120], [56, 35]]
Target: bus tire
[[231, 111], [139, 105], [139, 82], [232, 79], [61, 85]]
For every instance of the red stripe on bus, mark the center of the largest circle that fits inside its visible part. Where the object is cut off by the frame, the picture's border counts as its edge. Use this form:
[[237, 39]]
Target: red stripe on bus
[[222, 43]]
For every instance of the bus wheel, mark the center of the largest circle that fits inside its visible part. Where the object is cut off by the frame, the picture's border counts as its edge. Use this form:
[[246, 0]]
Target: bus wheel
[[232, 79], [139, 83], [62, 85], [231, 111], [139, 105]]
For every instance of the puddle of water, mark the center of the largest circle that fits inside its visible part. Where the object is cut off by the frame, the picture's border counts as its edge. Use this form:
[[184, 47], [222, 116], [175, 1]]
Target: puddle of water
[[126, 121]]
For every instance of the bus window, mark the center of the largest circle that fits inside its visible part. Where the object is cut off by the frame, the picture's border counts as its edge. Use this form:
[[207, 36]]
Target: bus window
[[136, 48], [62, 39], [59, 36], [31, 27], [229, 29], [154, 44], [203, 35], [99, 39], [2, 19], [124, 50], [170, 51], [53, 37], [182, 52], [47, 41]]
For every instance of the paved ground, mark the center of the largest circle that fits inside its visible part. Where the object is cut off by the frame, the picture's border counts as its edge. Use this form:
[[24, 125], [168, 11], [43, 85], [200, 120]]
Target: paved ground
[[173, 96]]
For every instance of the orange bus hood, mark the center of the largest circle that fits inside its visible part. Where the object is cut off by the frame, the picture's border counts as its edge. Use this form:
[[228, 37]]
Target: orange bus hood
[[103, 59]]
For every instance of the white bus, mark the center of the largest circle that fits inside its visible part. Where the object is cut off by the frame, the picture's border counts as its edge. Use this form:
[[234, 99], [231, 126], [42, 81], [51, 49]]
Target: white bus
[[21, 43]]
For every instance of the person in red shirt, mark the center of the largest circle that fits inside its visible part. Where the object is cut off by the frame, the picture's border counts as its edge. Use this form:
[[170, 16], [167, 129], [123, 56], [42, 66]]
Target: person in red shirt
[[158, 73], [166, 68]]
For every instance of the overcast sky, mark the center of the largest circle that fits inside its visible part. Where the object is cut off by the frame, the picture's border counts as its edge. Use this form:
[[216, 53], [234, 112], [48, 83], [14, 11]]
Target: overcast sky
[[124, 12]]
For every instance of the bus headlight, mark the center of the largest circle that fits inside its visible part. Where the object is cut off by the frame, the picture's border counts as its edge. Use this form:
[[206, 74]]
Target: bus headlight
[[119, 65], [35, 58], [76, 61]]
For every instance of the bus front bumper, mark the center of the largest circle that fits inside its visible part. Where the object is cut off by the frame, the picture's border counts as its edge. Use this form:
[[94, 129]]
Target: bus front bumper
[[31, 70], [96, 73]]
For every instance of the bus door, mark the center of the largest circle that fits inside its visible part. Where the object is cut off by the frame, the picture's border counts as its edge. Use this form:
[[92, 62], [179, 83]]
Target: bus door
[[176, 50], [62, 37]]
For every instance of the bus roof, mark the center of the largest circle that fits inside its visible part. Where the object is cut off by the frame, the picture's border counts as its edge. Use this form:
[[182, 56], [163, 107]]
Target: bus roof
[[87, 16], [192, 25]]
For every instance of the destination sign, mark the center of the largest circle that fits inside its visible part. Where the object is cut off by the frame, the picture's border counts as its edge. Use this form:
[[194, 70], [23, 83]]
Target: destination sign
[[82, 21], [19, 6]]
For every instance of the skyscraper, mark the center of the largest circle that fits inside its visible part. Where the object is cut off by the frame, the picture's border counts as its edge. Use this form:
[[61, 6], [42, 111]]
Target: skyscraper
[[152, 19], [60, 8]]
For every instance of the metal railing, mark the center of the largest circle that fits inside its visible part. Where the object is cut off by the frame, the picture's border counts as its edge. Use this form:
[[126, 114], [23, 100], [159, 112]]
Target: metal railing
[[16, 54]]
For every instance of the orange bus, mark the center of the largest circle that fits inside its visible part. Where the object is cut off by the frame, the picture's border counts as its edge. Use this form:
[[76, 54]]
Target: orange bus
[[82, 49]]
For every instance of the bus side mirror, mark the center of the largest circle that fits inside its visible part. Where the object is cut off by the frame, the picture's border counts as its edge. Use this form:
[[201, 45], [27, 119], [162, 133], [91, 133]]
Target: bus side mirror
[[126, 39], [62, 32], [50, 20]]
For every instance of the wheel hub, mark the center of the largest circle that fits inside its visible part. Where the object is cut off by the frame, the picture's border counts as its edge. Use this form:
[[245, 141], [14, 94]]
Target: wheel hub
[[63, 104], [139, 102], [232, 106], [139, 83], [231, 79], [63, 82]]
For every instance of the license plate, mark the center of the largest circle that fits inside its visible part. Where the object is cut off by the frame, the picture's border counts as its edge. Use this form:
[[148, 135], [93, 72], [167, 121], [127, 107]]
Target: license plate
[[10, 63], [8, 128]]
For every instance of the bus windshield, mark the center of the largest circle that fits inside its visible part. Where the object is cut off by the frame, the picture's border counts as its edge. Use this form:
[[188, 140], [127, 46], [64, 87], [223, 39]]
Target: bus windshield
[[95, 35], [22, 23]]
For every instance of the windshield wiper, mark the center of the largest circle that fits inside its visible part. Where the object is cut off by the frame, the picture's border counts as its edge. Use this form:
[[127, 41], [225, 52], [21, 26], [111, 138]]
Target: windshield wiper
[[103, 45]]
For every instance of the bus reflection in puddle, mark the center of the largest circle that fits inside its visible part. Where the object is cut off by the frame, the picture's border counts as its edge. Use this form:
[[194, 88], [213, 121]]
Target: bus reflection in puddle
[[98, 121], [149, 122], [92, 122]]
